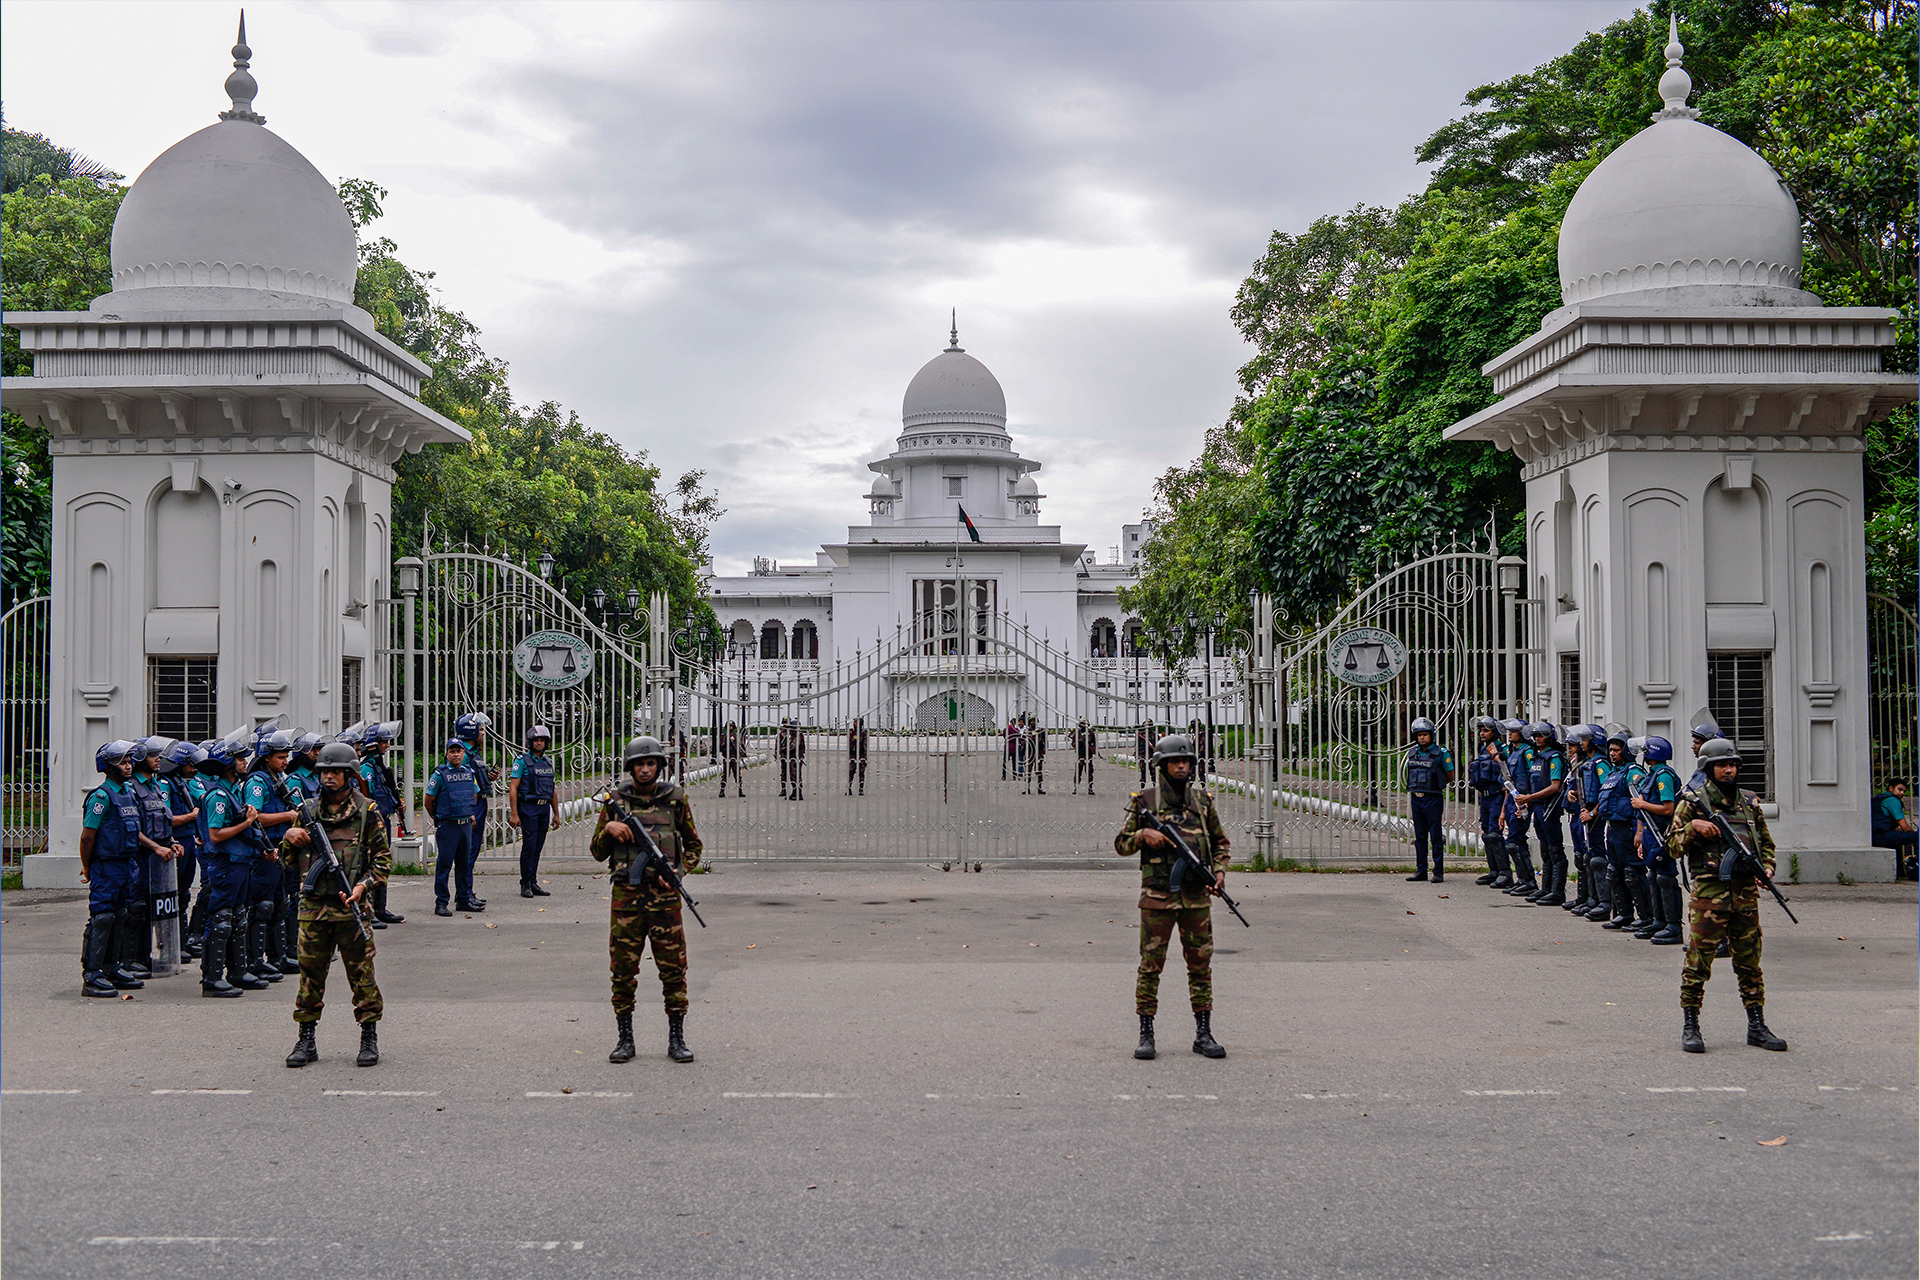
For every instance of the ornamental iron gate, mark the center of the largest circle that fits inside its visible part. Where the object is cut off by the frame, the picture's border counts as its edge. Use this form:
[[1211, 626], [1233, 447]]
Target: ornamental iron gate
[[23, 727]]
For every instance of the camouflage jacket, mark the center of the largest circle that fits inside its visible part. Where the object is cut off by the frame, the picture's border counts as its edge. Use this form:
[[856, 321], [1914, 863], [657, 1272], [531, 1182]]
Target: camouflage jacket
[[667, 815], [1703, 853], [359, 840], [1197, 821]]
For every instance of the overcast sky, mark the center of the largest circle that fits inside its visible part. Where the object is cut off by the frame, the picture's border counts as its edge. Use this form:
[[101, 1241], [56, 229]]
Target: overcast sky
[[728, 234]]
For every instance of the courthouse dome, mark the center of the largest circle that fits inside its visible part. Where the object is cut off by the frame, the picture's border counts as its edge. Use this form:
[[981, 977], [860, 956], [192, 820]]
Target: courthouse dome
[[235, 206], [954, 388], [1681, 204]]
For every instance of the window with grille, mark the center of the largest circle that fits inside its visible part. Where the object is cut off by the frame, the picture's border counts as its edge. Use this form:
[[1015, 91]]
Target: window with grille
[[1739, 694], [181, 697], [350, 669], [1570, 700]]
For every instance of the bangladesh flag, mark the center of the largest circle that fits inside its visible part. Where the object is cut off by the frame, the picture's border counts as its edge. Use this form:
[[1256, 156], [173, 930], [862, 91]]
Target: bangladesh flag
[[967, 520]]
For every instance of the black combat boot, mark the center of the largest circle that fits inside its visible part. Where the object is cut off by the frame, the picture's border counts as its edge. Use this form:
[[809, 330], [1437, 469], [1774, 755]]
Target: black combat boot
[[237, 972], [127, 944], [304, 1050], [279, 963], [1144, 1049], [369, 1045], [677, 1038], [1203, 1042], [1583, 898], [1757, 1033], [1690, 1032], [213, 958], [262, 932], [118, 971], [623, 1051], [1671, 933], [1556, 889], [95, 979]]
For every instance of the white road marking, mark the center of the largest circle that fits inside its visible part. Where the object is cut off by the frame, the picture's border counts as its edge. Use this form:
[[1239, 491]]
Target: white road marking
[[1311, 1096], [1705, 1088], [786, 1095], [379, 1093], [118, 1240], [549, 1244], [1510, 1093], [1839, 1088], [578, 1093], [219, 1092], [10, 1093], [1851, 1235]]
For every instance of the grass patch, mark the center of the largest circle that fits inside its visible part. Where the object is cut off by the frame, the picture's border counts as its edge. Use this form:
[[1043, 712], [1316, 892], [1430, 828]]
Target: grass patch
[[10, 878], [407, 869], [1793, 869], [1843, 877]]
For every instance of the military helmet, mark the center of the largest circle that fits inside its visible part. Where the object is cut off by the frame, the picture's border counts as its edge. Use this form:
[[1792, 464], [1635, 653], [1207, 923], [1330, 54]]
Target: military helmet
[[337, 755], [539, 731], [1423, 725], [1717, 751], [644, 747], [112, 753], [1175, 746]]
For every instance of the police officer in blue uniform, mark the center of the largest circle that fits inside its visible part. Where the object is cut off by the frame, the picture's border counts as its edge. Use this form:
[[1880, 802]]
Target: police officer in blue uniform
[[1486, 774], [269, 794], [377, 780], [1655, 796], [233, 849], [1429, 769], [453, 798], [471, 729], [1519, 777], [176, 767], [1585, 812], [1546, 801], [110, 843], [1629, 908], [530, 798], [156, 823], [1581, 755]]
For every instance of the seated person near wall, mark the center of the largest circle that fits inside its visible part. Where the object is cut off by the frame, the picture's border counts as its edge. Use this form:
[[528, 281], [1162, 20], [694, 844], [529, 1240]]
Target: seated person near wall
[[1893, 829]]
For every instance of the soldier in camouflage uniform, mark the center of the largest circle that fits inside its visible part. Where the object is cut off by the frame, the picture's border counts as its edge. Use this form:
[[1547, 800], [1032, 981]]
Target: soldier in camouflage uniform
[[1720, 910], [1182, 803], [649, 912], [359, 839]]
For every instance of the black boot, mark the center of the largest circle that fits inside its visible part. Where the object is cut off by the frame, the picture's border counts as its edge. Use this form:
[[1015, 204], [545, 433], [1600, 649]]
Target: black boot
[[127, 944], [1757, 1033], [304, 1050], [213, 958], [136, 940], [279, 962], [623, 1051], [118, 971], [677, 1038], [1203, 1042], [95, 979], [1556, 893], [262, 933], [1144, 1049], [1583, 897], [369, 1045], [1690, 1032], [237, 971], [1671, 933]]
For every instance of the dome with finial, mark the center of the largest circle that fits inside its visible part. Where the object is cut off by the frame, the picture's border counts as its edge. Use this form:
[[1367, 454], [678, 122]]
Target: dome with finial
[[233, 207], [954, 390], [1682, 206]]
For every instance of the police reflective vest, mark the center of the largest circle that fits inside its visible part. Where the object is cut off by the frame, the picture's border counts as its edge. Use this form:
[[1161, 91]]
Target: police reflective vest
[[1616, 797], [456, 795], [1540, 777], [119, 834], [536, 780], [1426, 771], [373, 771], [1483, 772]]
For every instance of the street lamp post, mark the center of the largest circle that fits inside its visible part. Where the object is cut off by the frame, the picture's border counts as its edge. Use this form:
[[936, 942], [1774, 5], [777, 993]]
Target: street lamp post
[[702, 645]]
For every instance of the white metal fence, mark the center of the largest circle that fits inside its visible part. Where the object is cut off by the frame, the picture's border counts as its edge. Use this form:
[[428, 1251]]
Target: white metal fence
[[23, 727]]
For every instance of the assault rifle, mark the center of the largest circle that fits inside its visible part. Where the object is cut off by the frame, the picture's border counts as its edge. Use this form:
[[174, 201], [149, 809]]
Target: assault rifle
[[647, 858], [325, 874], [1185, 864], [1738, 853]]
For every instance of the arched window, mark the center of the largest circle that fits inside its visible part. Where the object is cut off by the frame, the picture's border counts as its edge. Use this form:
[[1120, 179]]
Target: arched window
[[741, 634], [806, 640], [773, 640], [1101, 644]]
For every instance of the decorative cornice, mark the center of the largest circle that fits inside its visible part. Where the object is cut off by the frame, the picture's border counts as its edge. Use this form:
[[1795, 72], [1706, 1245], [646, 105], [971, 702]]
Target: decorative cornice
[[1665, 275]]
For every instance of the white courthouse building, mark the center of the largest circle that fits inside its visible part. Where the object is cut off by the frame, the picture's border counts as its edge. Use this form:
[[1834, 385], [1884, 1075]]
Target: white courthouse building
[[896, 581]]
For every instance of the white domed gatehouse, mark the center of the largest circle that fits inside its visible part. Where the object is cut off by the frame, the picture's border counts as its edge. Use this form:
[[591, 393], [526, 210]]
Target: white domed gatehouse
[[223, 428], [1690, 424]]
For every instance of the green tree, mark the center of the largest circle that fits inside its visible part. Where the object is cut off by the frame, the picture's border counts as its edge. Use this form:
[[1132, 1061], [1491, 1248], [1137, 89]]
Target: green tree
[[26, 156]]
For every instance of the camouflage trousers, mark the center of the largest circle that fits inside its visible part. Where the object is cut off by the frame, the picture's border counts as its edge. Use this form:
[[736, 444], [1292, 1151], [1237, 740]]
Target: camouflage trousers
[[1734, 916], [640, 918], [318, 939], [1196, 943]]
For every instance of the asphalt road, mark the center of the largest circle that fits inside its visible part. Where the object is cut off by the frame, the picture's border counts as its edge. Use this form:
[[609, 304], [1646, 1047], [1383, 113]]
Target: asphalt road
[[909, 1073]]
